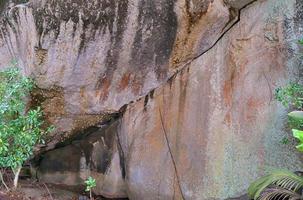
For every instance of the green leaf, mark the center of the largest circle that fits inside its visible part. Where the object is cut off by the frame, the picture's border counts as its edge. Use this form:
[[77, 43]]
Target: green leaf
[[300, 147], [297, 115], [290, 95], [20, 130], [90, 183], [298, 134]]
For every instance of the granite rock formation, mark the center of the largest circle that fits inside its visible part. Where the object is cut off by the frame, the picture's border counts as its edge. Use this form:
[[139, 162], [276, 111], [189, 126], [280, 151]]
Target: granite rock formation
[[163, 99]]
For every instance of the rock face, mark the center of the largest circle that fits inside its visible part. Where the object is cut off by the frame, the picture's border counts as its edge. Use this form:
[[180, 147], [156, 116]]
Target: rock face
[[96, 154], [197, 79], [214, 127], [89, 58]]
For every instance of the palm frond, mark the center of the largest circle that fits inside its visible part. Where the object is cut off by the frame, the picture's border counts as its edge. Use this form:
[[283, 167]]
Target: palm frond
[[279, 193], [282, 178]]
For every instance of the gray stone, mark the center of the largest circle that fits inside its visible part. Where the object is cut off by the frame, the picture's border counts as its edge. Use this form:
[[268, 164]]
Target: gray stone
[[200, 120], [89, 58], [238, 3], [95, 155]]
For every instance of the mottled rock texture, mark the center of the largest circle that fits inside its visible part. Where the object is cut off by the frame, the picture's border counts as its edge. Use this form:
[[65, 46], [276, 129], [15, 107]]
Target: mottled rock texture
[[96, 153], [214, 127], [238, 4], [197, 79], [97, 56]]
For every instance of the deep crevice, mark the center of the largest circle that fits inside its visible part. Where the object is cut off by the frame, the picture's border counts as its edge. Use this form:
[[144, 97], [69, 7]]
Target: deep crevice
[[122, 156]]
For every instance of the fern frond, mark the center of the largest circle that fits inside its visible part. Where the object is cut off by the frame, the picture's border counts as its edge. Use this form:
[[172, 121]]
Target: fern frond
[[282, 178]]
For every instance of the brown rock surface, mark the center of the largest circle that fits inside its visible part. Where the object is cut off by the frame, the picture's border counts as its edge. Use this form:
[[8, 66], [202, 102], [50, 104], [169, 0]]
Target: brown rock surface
[[215, 126], [100, 55], [202, 123]]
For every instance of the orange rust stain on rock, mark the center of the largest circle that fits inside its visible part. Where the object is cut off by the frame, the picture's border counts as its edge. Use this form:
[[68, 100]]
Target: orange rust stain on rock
[[252, 107], [193, 23], [155, 142], [254, 103], [227, 118], [227, 93], [124, 82], [228, 87], [227, 98], [137, 85], [103, 85], [84, 100]]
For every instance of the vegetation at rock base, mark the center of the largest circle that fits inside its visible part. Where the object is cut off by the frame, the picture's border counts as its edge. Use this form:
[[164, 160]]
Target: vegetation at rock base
[[90, 184], [282, 184], [20, 127], [291, 96]]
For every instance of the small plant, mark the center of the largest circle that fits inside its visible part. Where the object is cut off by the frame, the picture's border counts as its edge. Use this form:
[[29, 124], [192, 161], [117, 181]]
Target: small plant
[[284, 140], [90, 184], [291, 95], [20, 127]]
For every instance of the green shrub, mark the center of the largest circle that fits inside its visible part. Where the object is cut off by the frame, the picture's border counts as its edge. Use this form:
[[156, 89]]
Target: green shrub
[[20, 127], [290, 95], [90, 184]]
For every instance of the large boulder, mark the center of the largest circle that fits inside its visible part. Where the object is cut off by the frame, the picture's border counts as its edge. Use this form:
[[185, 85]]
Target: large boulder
[[89, 58], [215, 127], [197, 79]]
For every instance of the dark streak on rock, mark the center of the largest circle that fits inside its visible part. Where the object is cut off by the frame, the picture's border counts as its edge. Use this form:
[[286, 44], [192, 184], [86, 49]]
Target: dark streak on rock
[[152, 94], [154, 39], [96, 16], [2, 6], [121, 155], [171, 79], [112, 57], [145, 102], [233, 14], [298, 19], [49, 162], [56, 161]]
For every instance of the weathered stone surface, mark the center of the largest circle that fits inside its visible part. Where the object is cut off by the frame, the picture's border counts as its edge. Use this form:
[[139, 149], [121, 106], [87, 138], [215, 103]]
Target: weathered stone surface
[[203, 133], [101, 55], [215, 126], [96, 155], [201, 24], [238, 3]]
